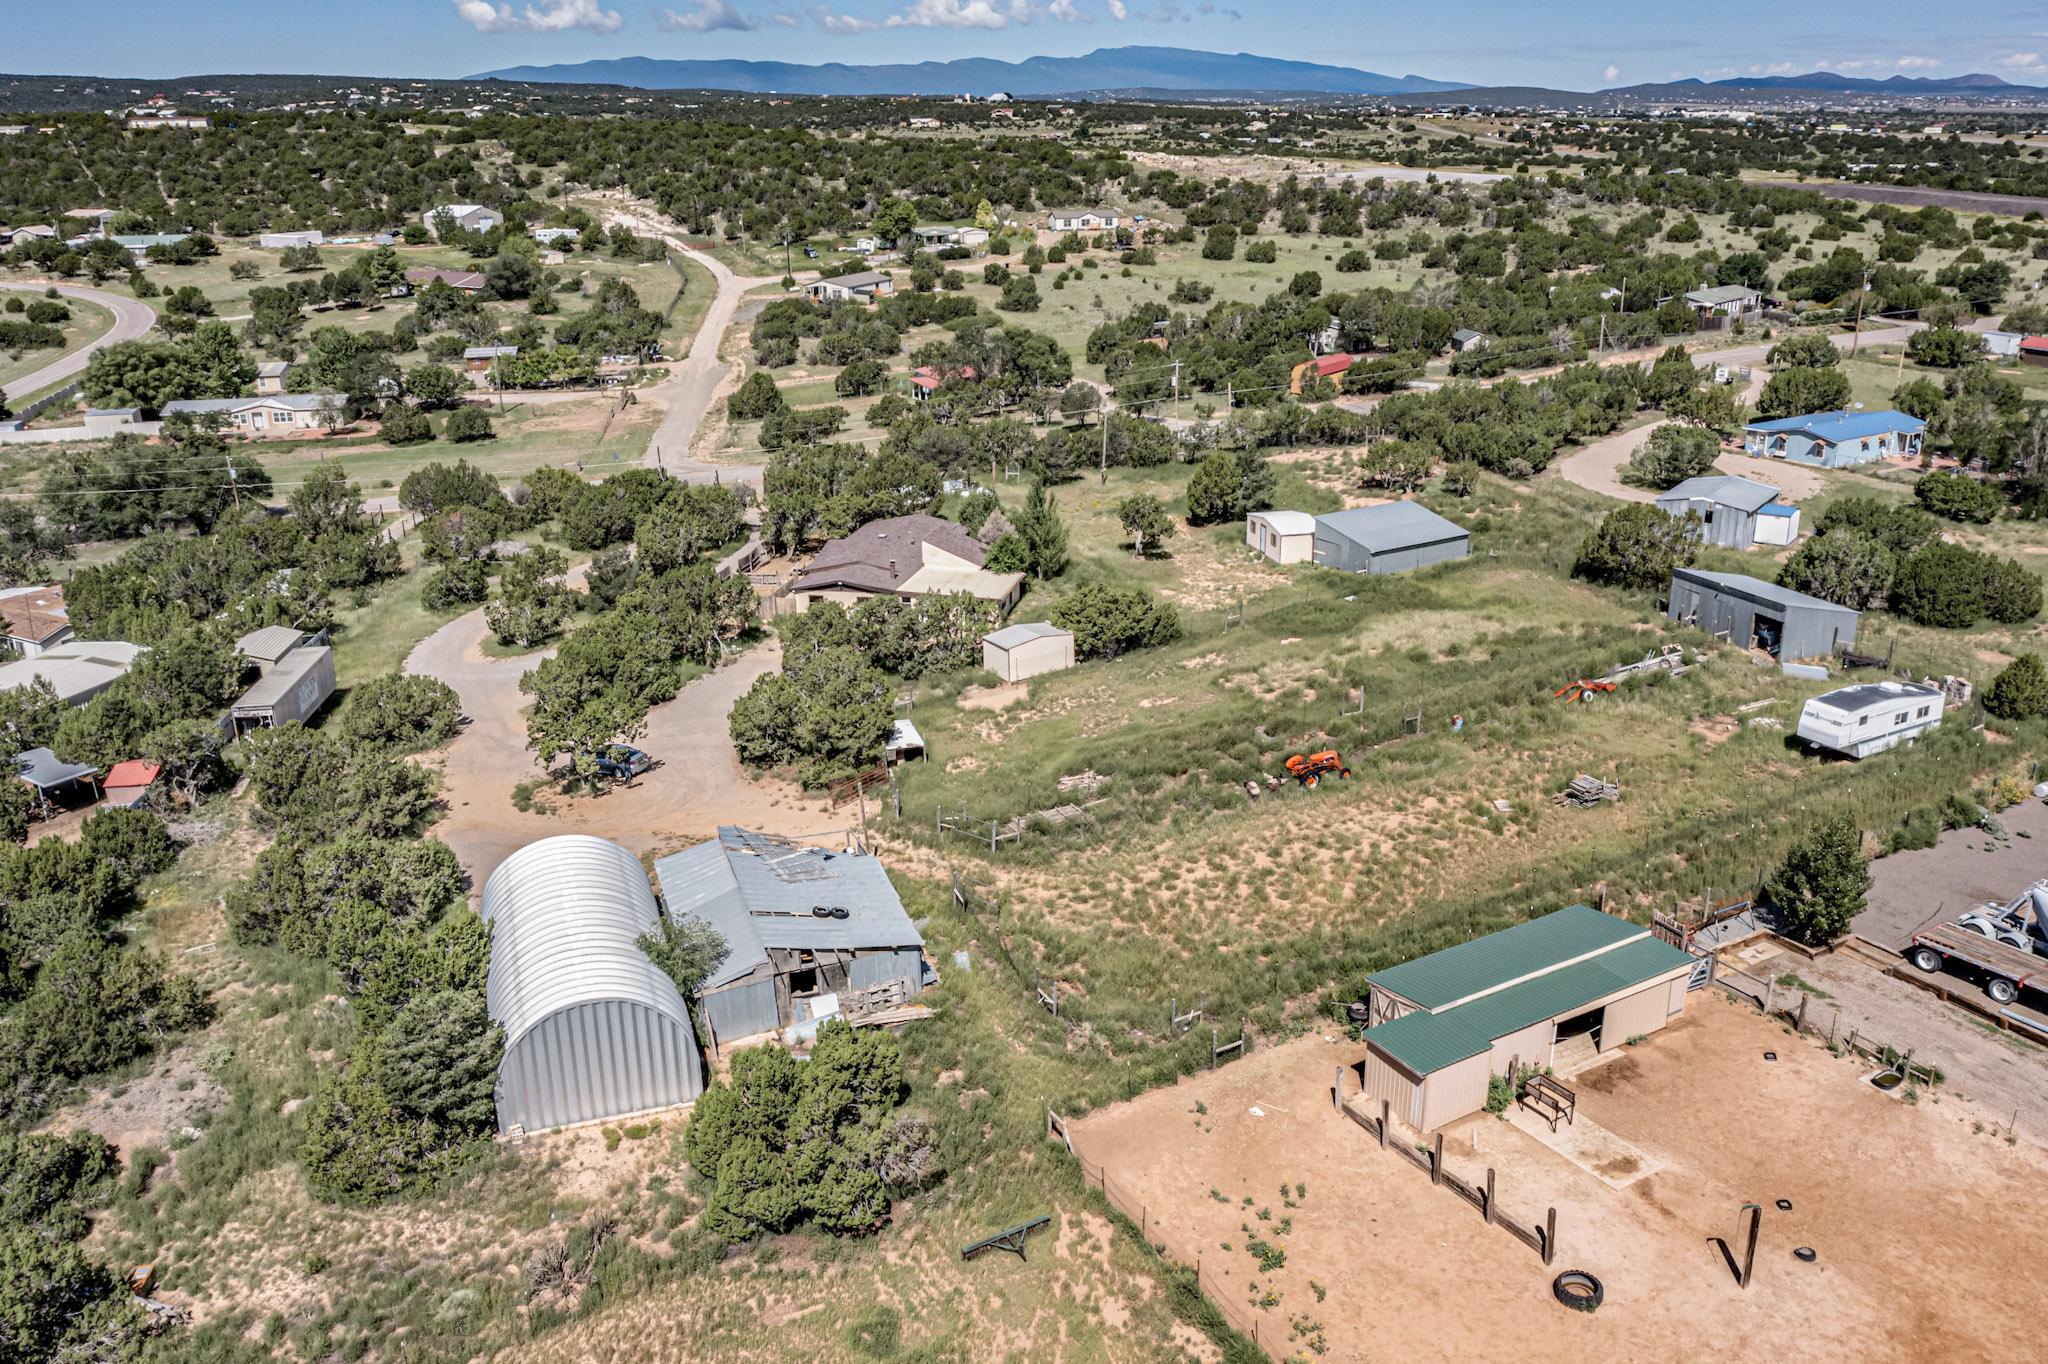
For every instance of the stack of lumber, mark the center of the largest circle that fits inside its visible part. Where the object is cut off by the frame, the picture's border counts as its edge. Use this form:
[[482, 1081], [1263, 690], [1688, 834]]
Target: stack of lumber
[[1585, 790]]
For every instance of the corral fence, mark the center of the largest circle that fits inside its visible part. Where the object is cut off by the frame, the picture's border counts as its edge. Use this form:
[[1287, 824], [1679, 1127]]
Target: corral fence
[[1171, 1245], [1810, 1017], [1430, 1160], [982, 903]]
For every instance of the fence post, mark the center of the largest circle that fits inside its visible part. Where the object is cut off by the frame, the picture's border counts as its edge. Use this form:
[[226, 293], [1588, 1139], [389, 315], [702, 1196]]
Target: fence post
[[1489, 1195], [1800, 1027], [1386, 1108], [1337, 1089], [1549, 1236], [1436, 1160]]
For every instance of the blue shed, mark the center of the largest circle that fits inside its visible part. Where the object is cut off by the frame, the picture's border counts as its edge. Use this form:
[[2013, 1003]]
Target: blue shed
[[1835, 440]]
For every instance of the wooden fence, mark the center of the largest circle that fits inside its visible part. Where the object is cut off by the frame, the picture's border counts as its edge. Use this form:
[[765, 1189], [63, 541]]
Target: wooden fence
[[1809, 1017], [1168, 1245], [1542, 1240]]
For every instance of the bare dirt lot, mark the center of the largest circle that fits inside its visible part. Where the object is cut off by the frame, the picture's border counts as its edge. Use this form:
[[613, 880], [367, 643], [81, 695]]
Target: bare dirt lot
[[1901, 1202], [1963, 869]]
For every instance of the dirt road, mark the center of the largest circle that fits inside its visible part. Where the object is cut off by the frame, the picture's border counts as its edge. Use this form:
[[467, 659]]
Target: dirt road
[[692, 384], [1597, 467], [131, 320], [697, 786]]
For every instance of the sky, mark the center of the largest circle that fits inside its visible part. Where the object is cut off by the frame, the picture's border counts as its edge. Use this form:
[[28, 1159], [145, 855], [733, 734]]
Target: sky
[[1571, 44]]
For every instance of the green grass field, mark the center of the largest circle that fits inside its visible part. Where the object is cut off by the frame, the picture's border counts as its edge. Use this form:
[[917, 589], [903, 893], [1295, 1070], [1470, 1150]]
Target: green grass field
[[88, 320]]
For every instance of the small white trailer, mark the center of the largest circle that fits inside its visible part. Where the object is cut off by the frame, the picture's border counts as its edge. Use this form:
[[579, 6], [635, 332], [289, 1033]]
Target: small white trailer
[[1870, 717]]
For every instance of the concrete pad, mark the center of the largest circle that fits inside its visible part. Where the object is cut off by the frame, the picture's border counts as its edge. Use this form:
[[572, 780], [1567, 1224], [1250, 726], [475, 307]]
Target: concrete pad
[[1589, 1146]]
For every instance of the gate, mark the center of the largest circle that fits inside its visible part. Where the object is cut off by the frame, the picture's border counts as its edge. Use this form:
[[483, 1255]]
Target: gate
[[1702, 973]]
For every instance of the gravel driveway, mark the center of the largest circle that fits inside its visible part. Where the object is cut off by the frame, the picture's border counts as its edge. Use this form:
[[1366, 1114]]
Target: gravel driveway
[[1965, 868]]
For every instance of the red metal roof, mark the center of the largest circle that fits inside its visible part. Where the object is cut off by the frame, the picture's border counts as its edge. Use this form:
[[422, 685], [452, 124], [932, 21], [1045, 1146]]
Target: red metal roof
[[1334, 363], [926, 377], [2034, 343], [134, 772]]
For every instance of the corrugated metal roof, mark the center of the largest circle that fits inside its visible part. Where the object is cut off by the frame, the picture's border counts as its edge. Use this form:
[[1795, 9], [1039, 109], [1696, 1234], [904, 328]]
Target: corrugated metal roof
[[758, 892], [1287, 522], [1010, 636], [276, 684], [1498, 958], [566, 915], [270, 643], [1724, 490], [1844, 424], [1770, 594], [1719, 294], [1426, 1042], [1391, 526], [41, 768], [1863, 694]]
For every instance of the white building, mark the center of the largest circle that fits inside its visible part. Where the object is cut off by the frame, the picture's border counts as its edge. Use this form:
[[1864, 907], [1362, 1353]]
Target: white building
[[1285, 537], [273, 414], [473, 217], [77, 670], [275, 241], [1870, 717], [1081, 220]]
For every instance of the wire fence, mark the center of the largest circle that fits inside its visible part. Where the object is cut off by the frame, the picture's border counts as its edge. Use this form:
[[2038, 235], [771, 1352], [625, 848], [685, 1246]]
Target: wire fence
[[1174, 1246], [1809, 1016]]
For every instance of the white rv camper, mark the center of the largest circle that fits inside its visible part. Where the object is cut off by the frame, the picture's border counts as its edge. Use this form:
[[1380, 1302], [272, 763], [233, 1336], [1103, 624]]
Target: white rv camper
[[1870, 717]]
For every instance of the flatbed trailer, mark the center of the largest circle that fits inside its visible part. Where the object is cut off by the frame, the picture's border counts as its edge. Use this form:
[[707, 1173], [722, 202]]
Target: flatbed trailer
[[2007, 970]]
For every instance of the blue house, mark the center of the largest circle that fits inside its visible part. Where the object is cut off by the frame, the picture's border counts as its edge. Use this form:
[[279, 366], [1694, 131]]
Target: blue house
[[1835, 440]]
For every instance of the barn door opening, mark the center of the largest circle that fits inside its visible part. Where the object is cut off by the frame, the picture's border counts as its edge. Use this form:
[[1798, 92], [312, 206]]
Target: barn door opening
[[1770, 634]]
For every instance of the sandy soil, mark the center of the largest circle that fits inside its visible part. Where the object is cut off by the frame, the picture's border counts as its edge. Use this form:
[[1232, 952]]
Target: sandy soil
[[1961, 871], [697, 786], [2003, 1079], [1898, 1200]]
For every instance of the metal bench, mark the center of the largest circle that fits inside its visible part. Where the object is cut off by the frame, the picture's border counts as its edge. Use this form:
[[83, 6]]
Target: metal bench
[[1010, 1238], [1549, 1099]]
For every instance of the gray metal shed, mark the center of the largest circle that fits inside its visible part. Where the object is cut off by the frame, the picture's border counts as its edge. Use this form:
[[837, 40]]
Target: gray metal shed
[[1390, 538], [1752, 613], [266, 646], [593, 1029], [293, 690], [763, 895], [1727, 506]]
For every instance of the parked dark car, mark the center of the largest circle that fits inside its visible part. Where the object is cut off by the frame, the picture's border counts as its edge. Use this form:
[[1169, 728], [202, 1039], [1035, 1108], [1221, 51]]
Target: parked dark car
[[621, 762], [811, 252]]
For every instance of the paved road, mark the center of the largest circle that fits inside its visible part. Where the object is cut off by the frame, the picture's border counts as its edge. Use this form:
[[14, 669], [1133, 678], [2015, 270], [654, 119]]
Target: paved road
[[132, 319], [692, 385]]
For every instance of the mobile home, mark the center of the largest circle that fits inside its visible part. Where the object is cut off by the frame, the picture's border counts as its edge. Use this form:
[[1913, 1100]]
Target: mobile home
[[1870, 717]]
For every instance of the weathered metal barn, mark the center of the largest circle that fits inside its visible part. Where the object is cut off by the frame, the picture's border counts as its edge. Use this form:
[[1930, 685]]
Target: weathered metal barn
[[804, 928], [1442, 1025], [1753, 614], [593, 1029], [1392, 537]]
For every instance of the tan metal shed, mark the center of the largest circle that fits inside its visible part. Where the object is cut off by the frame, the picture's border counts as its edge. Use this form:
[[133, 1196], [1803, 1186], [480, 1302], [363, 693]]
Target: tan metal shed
[[1016, 652], [1443, 1025], [1285, 537]]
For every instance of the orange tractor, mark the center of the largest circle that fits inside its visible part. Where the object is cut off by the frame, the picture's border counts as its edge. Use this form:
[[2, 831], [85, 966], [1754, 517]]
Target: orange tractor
[[1310, 768]]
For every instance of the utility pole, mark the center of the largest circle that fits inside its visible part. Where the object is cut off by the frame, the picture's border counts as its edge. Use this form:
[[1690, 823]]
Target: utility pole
[[1103, 419], [233, 484], [785, 251], [1856, 341]]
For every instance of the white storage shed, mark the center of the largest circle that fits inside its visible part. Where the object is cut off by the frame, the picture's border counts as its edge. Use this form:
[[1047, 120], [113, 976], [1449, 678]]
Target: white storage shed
[[1016, 652], [1285, 537]]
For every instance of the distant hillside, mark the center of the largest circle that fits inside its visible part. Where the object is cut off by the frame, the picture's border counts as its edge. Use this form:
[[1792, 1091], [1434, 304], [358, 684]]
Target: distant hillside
[[1110, 68]]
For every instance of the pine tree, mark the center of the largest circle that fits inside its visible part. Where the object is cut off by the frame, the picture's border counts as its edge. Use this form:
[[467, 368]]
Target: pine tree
[[1043, 534], [1822, 883], [2020, 692]]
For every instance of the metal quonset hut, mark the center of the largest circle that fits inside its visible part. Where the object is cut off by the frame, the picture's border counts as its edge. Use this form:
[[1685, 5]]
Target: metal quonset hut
[[593, 1029], [802, 927], [1390, 538], [1751, 613], [1443, 1024]]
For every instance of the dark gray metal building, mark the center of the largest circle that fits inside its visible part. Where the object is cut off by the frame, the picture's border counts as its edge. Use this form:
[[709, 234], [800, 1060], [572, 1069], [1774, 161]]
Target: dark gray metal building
[[801, 925], [1752, 613], [593, 1029], [1390, 538]]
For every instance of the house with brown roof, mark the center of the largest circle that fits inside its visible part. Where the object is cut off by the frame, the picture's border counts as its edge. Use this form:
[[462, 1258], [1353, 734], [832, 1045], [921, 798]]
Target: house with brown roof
[[35, 619], [903, 556]]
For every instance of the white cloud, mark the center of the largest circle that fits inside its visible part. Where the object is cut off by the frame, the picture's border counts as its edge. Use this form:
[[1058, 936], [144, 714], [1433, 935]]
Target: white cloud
[[1918, 63], [951, 14], [785, 20], [2021, 61], [841, 24], [1118, 10], [1612, 73], [708, 16], [1783, 69], [551, 16]]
